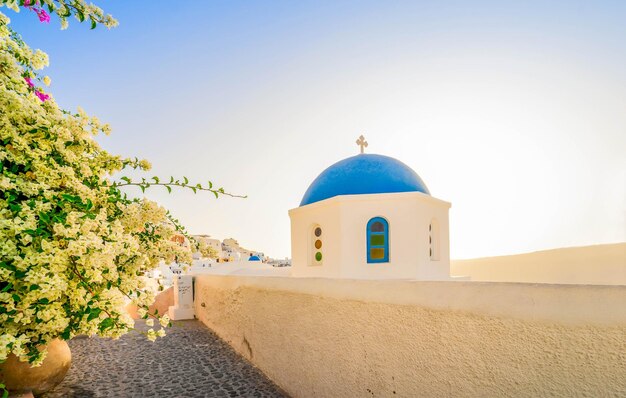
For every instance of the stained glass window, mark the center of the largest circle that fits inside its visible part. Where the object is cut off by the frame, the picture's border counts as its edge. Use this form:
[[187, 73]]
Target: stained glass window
[[433, 239], [316, 249], [378, 240]]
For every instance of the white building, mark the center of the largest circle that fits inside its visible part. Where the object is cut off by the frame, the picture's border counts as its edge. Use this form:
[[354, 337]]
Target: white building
[[370, 217], [206, 240]]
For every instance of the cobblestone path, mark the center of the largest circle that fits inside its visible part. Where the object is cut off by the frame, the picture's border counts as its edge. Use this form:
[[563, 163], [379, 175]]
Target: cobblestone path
[[191, 361]]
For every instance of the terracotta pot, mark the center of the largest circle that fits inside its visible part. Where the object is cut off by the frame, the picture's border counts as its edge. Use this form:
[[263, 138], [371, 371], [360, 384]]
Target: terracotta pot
[[20, 377]]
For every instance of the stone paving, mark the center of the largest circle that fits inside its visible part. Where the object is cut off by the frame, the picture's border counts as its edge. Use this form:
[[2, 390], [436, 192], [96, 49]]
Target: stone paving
[[191, 361]]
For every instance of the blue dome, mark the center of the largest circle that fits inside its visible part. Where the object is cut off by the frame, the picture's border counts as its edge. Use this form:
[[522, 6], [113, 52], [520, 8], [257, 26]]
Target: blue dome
[[364, 174], [254, 258]]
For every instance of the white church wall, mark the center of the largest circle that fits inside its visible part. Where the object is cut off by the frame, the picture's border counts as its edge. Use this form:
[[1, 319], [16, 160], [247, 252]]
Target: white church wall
[[344, 223], [326, 214], [408, 215]]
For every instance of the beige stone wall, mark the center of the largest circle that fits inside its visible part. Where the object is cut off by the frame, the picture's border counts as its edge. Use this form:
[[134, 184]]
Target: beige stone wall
[[599, 265], [345, 338]]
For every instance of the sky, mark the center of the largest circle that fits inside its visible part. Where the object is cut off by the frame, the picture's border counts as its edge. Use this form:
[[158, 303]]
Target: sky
[[515, 112]]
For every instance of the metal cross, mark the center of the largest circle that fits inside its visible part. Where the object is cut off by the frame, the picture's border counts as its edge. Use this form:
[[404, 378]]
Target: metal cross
[[362, 143]]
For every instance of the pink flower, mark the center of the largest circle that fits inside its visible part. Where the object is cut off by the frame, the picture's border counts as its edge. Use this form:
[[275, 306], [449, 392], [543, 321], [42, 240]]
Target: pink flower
[[27, 3], [42, 96], [29, 81], [43, 15]]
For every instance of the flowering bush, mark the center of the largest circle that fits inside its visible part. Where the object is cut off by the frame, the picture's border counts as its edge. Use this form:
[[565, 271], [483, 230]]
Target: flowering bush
[[73, 245]]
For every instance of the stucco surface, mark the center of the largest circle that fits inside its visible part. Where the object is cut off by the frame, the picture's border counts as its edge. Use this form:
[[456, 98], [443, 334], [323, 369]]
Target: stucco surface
[[343, 220], [598, 264], [330, 338], [162, 303]]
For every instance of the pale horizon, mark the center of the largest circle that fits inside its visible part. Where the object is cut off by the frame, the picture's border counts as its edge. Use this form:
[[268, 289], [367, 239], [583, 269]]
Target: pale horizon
[[516, 114]]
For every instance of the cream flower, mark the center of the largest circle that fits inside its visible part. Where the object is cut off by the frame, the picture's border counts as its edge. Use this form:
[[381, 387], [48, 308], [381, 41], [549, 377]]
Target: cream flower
[[75, 246]]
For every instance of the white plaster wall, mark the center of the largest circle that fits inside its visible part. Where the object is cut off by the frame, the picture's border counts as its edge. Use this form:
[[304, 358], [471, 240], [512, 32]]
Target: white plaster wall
[[327, 216], [409, 215], [360, 338], [345, 218]]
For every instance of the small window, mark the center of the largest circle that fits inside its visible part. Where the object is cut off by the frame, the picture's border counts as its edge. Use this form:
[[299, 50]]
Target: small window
[[377, 240], [315, 246], [433, 240]]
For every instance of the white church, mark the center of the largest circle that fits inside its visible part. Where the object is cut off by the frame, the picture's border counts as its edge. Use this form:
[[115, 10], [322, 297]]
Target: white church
[[365, 217], [370, 217]]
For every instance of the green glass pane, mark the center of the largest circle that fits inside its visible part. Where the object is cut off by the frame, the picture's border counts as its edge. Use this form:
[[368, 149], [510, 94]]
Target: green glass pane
[[377, 240], [377, 254], [318, 256]]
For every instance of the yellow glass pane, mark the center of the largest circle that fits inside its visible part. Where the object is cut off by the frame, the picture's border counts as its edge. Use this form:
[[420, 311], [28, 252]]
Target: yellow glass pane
[[377, 253], [318, 244]]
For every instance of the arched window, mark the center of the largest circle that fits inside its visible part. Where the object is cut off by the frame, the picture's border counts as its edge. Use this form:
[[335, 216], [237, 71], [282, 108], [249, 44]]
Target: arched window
[[315, 246], [433, 239], [377, 240]]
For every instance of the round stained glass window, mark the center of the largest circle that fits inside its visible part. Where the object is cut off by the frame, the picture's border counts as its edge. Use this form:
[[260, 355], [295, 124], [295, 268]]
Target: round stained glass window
[[318, 244], [318, 232], [318, 256], [377, 227]]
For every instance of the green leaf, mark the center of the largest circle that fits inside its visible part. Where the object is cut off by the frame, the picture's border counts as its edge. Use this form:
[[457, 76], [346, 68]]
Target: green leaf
[[105, 324], [8, 266], [186, 181], [169, 189], [156, 179], [125, 179], [95, 312]]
